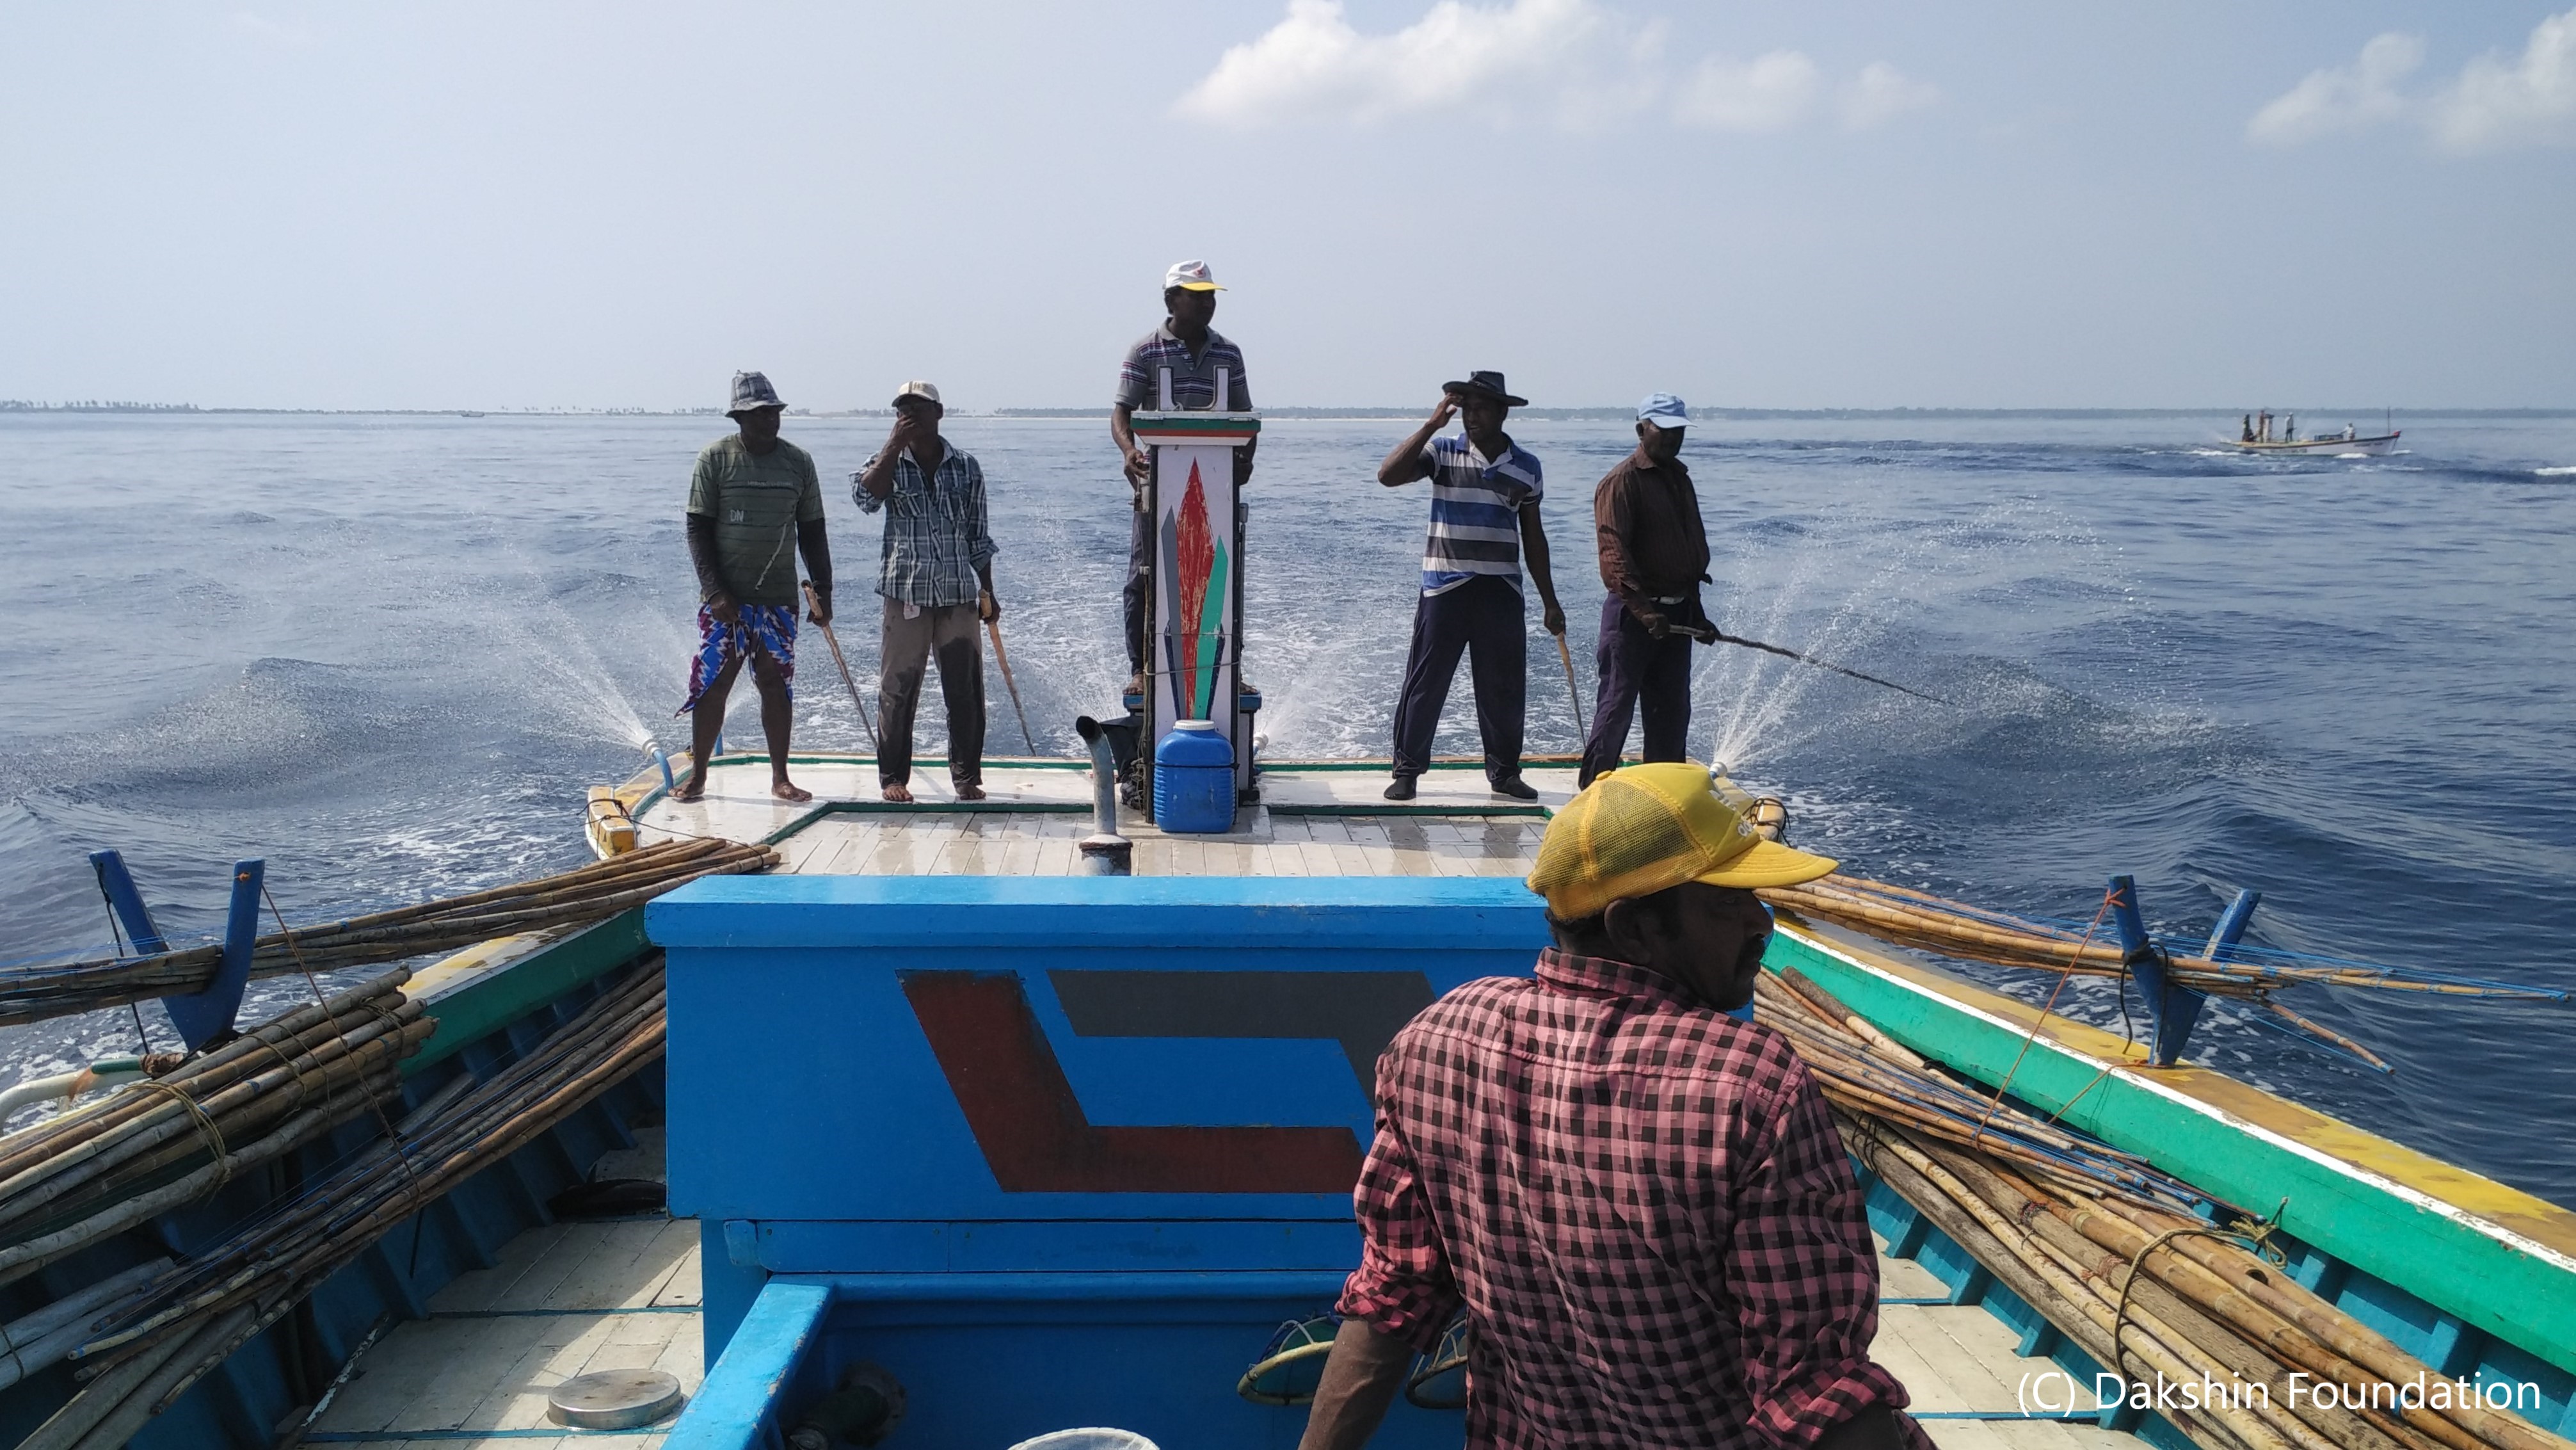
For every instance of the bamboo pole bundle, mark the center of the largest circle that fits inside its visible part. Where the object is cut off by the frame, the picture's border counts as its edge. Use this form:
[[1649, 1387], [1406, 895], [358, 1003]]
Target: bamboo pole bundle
[[154, 1145], [2141, 1287], [552, 903], [1933, 923], [184, 1324]]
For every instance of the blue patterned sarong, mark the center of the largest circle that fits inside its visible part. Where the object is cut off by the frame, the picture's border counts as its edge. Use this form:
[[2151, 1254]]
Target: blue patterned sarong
[[769, 628]]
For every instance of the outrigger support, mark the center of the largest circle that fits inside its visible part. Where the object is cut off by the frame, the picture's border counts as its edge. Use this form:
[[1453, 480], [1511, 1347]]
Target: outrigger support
[[201, 1017], [2172, 1010]]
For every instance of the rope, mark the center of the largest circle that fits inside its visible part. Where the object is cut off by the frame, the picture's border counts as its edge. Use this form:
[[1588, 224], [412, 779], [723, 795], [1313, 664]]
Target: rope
[[206, 1127], [2255, 1238], [1977, 1138]]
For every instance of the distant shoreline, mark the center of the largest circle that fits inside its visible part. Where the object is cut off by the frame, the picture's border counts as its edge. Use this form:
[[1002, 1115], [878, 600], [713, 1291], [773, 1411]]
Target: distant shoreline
[[14, 408]]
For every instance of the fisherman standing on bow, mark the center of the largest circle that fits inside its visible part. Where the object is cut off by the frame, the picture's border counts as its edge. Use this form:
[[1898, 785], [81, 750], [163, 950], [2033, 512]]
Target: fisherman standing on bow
[[1485, 492], [1639, 1203], [1654, 557], [937, 578], [1194, 356], [755, 503]]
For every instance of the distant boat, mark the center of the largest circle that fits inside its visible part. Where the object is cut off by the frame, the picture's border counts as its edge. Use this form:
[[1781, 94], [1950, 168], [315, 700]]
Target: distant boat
[[2258, 438], [463, 414]]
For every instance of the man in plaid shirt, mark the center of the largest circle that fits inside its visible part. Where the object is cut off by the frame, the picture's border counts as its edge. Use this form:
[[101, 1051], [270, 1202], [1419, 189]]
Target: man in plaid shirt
[[1637, 1199], [936, 574]]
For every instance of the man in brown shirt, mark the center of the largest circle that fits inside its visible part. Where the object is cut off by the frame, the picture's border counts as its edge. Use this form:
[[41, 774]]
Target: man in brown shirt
[[1654, 557]]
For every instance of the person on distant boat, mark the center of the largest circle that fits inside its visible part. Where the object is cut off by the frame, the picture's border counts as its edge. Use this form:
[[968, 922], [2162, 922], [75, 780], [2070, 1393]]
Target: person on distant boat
[[1654, 557], [1485, 493], [1638, 1201], [752, 495], [936, 573], [1194, 355], [2263, 426], [2249, 429]]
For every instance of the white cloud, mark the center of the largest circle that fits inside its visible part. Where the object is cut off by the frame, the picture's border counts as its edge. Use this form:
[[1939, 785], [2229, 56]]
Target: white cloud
[[1542, 54], [2349, 99], [2530, 101], [1772, 93], [2495, 102], [1882, 93], [1573, 62]]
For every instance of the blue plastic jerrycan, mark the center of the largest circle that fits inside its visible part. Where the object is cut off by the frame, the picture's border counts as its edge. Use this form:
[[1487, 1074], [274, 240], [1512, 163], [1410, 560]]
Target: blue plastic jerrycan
[[1194, 779]]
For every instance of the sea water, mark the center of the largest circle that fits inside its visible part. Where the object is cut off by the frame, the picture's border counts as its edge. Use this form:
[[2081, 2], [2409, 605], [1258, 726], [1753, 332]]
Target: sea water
[[387, 652]]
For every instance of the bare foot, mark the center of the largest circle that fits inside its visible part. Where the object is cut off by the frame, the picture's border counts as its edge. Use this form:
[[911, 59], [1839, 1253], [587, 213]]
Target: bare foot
[[970, 792], [694, 787], [788, 790], [899, 795]]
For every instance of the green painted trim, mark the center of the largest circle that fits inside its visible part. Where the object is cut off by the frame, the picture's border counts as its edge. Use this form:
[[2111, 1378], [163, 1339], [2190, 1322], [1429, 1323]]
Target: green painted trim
[[511, 990], [926, 808], [1194, 422], [1392, 809], [2516, 1296]]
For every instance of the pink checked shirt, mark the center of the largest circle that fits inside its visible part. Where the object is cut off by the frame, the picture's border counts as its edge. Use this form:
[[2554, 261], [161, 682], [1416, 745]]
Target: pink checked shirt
[[1643, 1206]]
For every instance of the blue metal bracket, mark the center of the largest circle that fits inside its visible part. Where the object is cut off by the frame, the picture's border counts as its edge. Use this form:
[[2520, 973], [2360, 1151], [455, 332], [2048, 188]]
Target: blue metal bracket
[[117, 885], [2172, 1010], [2231, 925], [201, 1017]]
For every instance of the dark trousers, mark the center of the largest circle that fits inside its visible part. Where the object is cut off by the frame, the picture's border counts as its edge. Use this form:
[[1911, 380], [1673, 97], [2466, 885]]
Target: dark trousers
[[1638, 669], [946, 631], [1483, 619], [1140, 586]]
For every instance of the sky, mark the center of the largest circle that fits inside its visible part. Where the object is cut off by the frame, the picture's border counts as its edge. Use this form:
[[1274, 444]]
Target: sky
[[1753, 205]]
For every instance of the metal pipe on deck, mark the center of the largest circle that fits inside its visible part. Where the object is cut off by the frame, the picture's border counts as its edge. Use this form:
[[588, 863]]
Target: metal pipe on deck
[[1104, 851]]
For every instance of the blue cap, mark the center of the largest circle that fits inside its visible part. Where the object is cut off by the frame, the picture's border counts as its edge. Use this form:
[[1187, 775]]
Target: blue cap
[[1664, 411]]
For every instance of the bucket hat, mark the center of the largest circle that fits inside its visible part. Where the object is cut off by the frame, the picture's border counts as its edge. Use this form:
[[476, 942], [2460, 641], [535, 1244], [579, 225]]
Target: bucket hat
[[1488, 383], [1647, 828], [750, 391]]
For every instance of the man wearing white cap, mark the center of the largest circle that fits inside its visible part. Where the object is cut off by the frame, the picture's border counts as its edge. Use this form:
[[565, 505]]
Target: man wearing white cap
[[937, 578], [1654, 557], [1194, 356]]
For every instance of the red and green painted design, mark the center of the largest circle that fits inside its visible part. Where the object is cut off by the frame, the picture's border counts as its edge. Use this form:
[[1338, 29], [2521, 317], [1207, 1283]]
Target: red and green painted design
[[1197, 564]]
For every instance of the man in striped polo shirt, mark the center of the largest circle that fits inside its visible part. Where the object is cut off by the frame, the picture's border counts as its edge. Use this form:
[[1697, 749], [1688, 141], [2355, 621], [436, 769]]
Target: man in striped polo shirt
[[1484, 512]]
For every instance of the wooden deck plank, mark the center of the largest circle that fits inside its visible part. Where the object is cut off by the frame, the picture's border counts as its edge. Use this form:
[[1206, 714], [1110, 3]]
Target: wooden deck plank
[[482, 1288]]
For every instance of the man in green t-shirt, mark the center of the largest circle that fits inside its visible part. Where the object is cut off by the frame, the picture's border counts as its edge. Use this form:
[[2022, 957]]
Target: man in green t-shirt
[[754, 505]]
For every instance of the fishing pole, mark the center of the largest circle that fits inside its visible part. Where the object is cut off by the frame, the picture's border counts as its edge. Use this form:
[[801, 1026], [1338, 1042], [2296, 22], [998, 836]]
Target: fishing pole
[[1571, 693], [1715, 636], [834, 641], [994, 628]]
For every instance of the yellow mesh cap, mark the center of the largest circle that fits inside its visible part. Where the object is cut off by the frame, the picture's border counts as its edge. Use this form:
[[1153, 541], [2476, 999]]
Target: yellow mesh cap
[[1648, 828]]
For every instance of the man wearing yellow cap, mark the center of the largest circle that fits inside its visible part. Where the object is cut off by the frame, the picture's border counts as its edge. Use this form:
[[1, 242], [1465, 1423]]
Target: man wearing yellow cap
[[1638, 1200]]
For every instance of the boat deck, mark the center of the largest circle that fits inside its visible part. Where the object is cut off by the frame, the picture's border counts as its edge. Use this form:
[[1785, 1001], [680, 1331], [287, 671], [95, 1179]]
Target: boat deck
[[1318, 820], [567, 1299], [1961, 1363], [562, 1300]]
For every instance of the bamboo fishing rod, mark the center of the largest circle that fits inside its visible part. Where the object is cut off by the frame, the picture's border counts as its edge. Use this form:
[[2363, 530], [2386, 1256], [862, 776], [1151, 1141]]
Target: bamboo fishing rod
[[875, 746], [1573, 695], [1713, 635], [1002, 657]]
